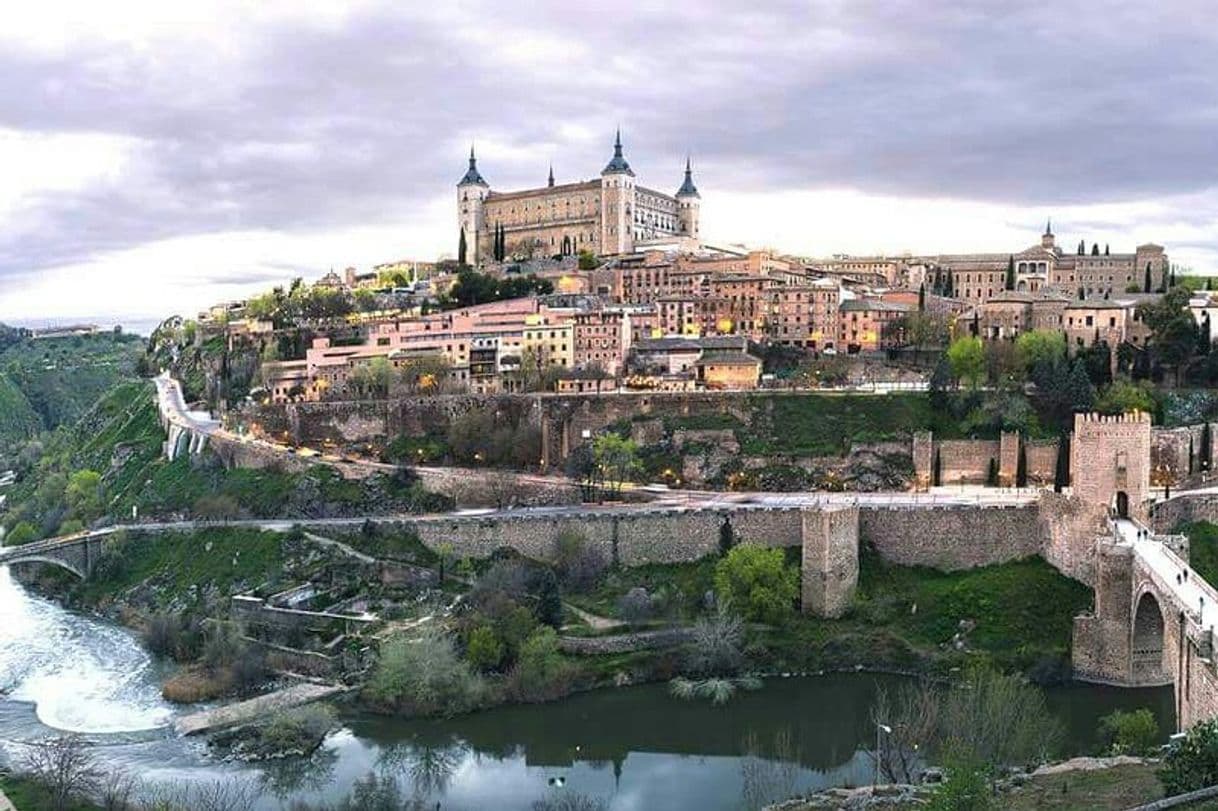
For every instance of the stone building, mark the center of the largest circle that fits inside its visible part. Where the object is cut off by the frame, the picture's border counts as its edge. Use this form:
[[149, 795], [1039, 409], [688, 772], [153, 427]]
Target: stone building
[[610, 216], [868, 325]]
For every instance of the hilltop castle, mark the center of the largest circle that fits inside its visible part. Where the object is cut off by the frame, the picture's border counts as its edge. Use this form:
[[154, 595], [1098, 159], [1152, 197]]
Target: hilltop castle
[[612, 215]]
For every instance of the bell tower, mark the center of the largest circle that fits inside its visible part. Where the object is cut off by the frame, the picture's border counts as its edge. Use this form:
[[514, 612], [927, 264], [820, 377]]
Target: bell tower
[[471, 192], [688, 204], [617, 203]]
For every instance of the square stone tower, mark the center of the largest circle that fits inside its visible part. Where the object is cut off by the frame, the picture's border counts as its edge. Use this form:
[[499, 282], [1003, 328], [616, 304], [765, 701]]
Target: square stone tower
[[1110, 462]]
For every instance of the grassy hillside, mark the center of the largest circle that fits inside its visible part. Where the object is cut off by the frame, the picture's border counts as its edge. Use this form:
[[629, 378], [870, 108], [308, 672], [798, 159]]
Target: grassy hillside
[[62, 377], [18, 420], [121, 439]]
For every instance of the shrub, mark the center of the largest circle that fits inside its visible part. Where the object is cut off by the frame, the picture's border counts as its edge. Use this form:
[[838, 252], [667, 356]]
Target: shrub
[[635, 606], [1130, 733], [297, 730], [23, 533], [541, 673], [757, 582], [171, 635], [579, 564], [424, 676], [484, 650], [965, 788], [715, 649], [1192, 763], [570, 802]]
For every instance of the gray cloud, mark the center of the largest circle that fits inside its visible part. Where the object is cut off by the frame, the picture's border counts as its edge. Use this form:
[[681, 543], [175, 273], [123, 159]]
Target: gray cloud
[[292, 126]]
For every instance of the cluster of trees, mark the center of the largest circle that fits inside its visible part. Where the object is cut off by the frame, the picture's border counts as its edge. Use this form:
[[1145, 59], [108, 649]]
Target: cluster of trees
[[62, 504], [300, 304], [482, 437], [377, 377], [473, 288], [604, 465], [985, 383]]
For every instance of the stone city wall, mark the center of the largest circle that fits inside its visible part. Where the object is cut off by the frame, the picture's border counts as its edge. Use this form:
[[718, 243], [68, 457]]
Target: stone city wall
[[951, 537], [966, 461], [1185, 509], [1041, 458]]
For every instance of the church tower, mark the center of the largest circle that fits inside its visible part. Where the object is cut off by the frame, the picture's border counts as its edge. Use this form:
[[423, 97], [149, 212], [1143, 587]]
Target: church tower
[[1047, 240], [688, 203], [471, 191], [617, 203]]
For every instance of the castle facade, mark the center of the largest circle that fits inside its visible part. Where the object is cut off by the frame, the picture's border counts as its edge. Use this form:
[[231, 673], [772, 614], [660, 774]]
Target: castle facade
[[610, 216]]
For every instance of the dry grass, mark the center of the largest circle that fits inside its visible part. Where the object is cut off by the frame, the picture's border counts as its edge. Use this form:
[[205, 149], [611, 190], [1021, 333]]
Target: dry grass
[[195, 684]]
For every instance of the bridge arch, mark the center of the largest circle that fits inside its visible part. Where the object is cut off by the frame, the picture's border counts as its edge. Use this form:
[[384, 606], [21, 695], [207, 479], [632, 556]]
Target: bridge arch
[[45, 559], [1147, 645]]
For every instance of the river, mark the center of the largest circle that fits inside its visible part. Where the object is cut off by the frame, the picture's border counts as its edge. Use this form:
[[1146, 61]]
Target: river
[[636, 747]]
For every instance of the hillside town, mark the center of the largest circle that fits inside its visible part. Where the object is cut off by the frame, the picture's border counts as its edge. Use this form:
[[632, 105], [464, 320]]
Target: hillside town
[[607, 286]]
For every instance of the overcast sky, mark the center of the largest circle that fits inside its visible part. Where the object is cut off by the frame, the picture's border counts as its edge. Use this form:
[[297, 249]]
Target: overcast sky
[[155, 157]]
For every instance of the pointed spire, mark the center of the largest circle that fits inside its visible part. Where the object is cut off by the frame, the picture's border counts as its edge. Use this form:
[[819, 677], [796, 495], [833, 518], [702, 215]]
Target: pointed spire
[[688, 189], [471, 175], [551, 180], [1049, 226], [618, 165]]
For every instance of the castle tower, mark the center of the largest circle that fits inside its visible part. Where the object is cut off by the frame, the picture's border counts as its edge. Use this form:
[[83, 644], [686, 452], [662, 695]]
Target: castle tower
[[1047, 240], [471, 191], [617, 203], [688, 204]]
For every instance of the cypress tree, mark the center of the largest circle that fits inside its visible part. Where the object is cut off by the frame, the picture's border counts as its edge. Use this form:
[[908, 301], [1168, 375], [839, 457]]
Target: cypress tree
[[1191, 451], [1146, 284], [461, 249], [1106, 253], [948, 289], [1082, 247], [922, 298], [937, 472], [1080, 389], [1061, 471], [1010, 273], [1095, 249], [1021, 467], [991, 475]]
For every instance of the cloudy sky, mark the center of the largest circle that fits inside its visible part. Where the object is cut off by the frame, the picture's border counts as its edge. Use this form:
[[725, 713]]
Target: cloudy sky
[[158, 156]]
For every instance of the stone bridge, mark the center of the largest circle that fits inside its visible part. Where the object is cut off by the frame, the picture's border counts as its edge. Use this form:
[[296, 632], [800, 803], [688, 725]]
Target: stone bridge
[[76, 553]]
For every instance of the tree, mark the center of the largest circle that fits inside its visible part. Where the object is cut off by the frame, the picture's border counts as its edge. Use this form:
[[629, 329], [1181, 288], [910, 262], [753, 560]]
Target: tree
[[1021, 467], [581, 465], [1082, 247], [922, 297], [24, 532], [1010, 273], [1207, 446], [966, 356], [1135, 732], [370, 380], [84, 494], [757, 582], [618, 459], [423, 675], [1123, 396], [1192, 763], [484, 650], [65, 769], [1061, 470], [940, 383], [1095, 249], [1146, 285], [461, 249], [948, 286], [1040, 346], [716, 643], [1081, 391], [635, 606]]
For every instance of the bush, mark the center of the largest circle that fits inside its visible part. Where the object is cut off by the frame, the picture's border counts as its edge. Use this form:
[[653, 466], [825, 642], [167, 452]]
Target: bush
[[541, 673], [757, 582], [1130, 733], [965, 788], [484, 650], [424, 676], [171, 635], [570, 802], [579, 564], [715, 649], [636, 606], [298, 730], [1192, 763], [23, 533]]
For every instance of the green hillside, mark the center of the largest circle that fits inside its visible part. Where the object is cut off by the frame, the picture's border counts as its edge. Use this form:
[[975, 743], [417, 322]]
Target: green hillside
[[62, 378], [18, 420]]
